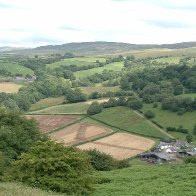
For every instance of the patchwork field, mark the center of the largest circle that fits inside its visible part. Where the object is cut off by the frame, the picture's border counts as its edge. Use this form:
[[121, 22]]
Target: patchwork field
[[15, 68], [9, 87], [48, 123], [126, 119], [120, 145], [78, 133]]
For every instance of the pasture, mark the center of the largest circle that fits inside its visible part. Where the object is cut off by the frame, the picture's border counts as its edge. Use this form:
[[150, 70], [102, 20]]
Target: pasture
[[101, 89], [74, 108], [126, 119], [47, 102], [15, 68], [49, 123], [9, 87], [112, 66], [79, 61], [170, 60], [120, 145], [170, 119], [79, 132]]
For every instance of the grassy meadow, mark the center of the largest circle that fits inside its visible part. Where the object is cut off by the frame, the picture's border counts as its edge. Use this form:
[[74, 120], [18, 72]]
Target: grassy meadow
[[170, 60], [112, 66], [101, 89], [15, 68], [170, 119], [126, 119], [9, 87], [47, 102], [74, 108], [79, 61], [148, 180]]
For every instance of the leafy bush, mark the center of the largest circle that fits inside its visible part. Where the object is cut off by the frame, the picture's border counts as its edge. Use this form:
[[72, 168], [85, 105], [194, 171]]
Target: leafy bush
[[104, 162], [190, 159], [149, 114], [94, 108], [189, 138], [51, 166]]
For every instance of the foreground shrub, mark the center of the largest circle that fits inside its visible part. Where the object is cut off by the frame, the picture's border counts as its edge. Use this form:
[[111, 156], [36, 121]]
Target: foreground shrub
[[190, 159], [104, 162], [53, 167], [94, 108]]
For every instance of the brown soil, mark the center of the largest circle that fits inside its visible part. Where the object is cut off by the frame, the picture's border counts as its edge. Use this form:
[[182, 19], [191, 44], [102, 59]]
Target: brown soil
[[78, 133], [51, 122], [120, 145]]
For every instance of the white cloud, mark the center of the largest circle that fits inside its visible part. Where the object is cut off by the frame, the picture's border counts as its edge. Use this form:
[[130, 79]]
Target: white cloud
[[34, 23]]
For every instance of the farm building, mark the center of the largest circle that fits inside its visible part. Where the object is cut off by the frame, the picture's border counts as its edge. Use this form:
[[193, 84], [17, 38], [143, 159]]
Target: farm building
[[157, 157]]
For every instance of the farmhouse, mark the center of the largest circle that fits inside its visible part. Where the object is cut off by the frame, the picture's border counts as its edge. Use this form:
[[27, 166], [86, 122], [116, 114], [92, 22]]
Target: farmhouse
[[154, 157]]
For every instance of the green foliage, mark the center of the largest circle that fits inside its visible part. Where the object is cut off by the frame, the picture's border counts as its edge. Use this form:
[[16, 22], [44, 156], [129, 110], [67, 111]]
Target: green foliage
[[76, 95], [51, 166], [17, 134], [104, 162], [94, 108], [194, 129], [189, 138], [148, 180], [191, 159], [149, 114]]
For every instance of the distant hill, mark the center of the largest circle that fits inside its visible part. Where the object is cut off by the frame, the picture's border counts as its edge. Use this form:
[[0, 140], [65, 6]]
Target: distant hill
[[96, 48]]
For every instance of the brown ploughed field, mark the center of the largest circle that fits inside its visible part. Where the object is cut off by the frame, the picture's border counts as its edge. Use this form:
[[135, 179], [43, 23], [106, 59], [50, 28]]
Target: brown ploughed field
[[51, 122], [120, 145], [78, 133]]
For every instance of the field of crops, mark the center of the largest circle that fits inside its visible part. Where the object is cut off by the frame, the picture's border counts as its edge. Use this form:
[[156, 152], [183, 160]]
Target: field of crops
[[15, 68], [126, 119], [120, 145], [79, 61], [79, 132], [148, 180], [9, 87], [112, 66], [49, 123]]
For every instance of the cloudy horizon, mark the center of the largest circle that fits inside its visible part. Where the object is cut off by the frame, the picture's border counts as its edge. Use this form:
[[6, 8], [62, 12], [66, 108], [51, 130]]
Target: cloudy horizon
[[35, 23]]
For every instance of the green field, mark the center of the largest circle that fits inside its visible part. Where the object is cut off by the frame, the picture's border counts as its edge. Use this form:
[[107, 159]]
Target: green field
[[101, 89], [170, 119], [15, 68], [16, 189], [79, 61], [75, 108], [149, 180], [47, 102], [191, 95], [126, 119], [112, 66], [170, 60]]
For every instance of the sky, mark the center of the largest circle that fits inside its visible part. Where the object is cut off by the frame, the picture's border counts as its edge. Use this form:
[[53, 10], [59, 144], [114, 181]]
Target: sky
[[32, 23]]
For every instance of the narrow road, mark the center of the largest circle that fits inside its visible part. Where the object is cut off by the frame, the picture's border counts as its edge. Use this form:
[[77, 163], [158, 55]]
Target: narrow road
[[161, 130]]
